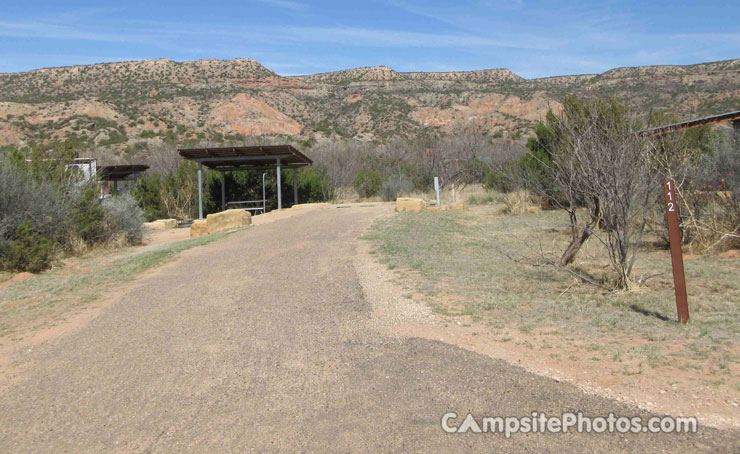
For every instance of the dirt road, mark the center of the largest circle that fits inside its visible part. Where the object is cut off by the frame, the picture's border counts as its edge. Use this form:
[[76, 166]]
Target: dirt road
[[263, 342]]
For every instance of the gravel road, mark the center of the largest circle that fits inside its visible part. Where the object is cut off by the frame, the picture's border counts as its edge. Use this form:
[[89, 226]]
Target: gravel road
[[263, 342]]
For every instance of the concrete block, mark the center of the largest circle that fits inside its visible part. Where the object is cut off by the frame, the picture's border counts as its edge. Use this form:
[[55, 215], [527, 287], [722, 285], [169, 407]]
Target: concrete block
[[227, 220], [410, 204], [198, 228], [161, 224]]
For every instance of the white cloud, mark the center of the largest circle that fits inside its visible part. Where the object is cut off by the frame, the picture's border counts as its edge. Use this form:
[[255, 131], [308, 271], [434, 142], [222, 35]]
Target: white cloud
[[287, 4]]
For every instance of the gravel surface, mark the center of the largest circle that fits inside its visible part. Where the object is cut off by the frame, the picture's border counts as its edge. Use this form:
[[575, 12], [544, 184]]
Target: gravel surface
[[264, 342]]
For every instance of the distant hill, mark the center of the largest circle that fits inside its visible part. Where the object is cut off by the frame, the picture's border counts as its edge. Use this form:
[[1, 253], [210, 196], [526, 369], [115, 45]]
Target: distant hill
[[132, 105]]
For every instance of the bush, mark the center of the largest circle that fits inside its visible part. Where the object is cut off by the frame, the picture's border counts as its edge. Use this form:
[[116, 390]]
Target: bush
[[394, 186], [123, 216], [23, 198], [30, 250], [498, 180], [711, 222], [87, 216], [314, 184], [147, 192], [520, 202], [367, 183]]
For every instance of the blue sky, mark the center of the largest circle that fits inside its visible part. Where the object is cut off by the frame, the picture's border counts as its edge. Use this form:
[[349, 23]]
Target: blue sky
[[532, 38]]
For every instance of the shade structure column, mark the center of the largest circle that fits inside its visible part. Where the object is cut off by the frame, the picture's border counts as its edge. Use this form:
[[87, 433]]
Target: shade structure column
[[200, 191], [279, 184], [223, 190], [295, 186]]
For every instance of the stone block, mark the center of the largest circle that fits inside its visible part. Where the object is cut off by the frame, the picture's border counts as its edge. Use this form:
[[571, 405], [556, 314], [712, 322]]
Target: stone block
[[227, 220], [198, 228], [161, 224]]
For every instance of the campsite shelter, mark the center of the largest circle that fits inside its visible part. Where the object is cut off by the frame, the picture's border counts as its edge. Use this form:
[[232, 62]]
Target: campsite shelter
[[119, 173], [265, 157]]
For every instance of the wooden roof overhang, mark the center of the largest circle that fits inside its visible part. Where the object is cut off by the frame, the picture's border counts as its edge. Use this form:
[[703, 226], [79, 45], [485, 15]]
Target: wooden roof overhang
[[120, 172], [667, 129], [246, 158]]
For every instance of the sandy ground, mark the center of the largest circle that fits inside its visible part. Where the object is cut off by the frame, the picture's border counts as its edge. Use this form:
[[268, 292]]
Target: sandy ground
[[269, 341]]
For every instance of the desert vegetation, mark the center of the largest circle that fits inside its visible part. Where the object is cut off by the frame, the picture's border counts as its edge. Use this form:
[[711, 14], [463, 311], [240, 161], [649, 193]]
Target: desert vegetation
[[45, 213]]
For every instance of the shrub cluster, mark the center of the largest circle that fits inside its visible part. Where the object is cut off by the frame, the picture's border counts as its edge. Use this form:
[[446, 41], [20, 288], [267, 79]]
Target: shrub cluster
[[44, 215]]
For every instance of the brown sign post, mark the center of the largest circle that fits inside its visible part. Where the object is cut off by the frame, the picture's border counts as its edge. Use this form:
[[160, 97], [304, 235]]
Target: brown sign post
[[674, 236]]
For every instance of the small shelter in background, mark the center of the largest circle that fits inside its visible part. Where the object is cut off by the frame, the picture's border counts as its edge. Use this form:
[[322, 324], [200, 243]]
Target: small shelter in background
[[83, 169], [119, 173], [265, 157]]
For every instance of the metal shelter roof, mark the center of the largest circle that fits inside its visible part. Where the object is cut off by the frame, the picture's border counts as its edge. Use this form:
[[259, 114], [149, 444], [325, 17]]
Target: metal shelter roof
[[245, 158], [663, 130], [120, 172]]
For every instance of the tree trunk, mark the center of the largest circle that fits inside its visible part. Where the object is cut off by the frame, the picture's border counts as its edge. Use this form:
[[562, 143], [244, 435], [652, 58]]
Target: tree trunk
[[578, 239], [575, 245]]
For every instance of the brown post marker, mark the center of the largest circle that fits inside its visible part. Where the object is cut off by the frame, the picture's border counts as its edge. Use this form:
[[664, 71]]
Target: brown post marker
[[674, 236]]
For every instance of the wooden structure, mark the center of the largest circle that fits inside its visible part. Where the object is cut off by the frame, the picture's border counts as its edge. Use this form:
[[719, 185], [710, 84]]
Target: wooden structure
[[734, 117], [125, 172]]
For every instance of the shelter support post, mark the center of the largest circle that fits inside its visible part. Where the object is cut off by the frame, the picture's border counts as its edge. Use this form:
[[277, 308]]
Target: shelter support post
[[200, 191], [295, 186], [223, 191], [264, 199], [279, 184]]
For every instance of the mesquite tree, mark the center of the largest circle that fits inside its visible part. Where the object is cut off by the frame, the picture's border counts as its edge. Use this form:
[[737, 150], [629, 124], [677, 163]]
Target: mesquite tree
[[603, 164]]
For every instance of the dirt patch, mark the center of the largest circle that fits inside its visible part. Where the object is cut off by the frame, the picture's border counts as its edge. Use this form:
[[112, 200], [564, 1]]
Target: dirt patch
[[166, 236], [19, 277]]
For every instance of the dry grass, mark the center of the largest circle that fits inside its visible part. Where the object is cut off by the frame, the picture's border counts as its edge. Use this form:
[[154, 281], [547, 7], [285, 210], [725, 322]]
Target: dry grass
[[447, 194], [519, 202], [462, 264]]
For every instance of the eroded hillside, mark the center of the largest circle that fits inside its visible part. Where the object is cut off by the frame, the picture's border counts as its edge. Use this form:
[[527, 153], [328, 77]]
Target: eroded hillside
[[121, 105]]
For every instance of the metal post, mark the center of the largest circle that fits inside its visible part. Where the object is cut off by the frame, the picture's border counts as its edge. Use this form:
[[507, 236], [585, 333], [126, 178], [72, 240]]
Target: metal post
[[223, 190], [436, 189], [279, 184], [264, 199], [295, 186], [200, 191], [674, 238]]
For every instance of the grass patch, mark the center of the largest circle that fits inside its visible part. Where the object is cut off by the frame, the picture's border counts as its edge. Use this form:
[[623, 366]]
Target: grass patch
[[462, 261], [43, 298]]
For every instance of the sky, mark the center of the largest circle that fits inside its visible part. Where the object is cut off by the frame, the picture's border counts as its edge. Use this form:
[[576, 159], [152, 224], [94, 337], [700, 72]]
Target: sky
[[532, 38]]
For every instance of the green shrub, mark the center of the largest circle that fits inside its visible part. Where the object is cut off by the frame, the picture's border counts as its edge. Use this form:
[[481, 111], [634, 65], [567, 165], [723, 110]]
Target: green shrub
[[29, 251], [147, 192], [314, 184], [87, 216], [394, 186], [367, 183], [531, 171], [498, 180]]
